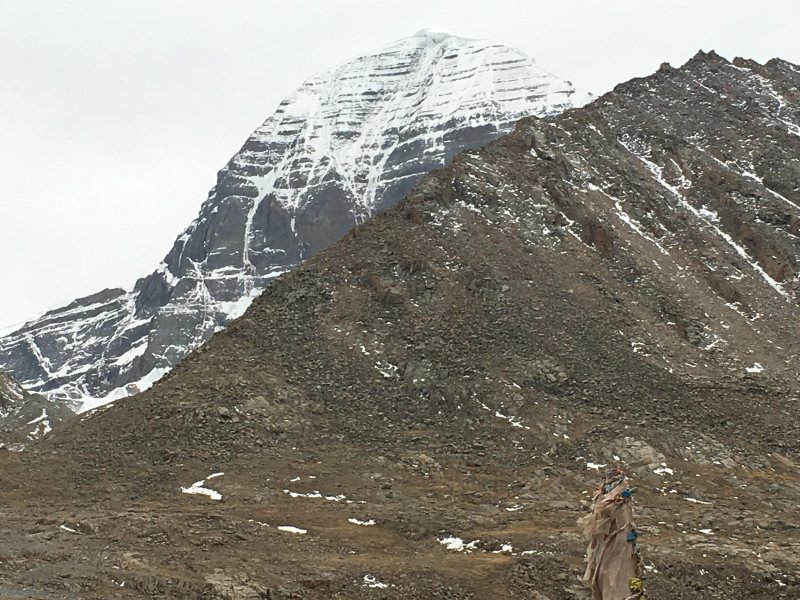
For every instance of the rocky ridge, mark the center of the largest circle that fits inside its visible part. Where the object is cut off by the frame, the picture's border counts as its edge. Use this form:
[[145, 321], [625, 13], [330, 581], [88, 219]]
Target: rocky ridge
[[24, 417], [344, 146], [420, 410]]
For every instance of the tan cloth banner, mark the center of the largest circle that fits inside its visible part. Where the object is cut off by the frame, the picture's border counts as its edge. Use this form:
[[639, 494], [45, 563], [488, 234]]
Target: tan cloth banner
[[612, 559]]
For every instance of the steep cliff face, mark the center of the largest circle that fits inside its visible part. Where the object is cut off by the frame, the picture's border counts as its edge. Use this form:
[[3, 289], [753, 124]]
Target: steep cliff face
[[344, 146]]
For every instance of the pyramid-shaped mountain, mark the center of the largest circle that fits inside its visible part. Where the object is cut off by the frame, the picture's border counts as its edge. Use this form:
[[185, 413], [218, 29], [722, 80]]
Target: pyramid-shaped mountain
[[344, 146]]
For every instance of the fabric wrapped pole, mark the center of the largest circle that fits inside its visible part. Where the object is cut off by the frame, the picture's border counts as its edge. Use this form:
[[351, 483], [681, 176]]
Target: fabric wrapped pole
[[612, 559]]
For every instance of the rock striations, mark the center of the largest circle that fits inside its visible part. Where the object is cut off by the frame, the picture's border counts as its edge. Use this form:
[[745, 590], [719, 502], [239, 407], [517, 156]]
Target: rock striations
[[613, 285], [344, 146]]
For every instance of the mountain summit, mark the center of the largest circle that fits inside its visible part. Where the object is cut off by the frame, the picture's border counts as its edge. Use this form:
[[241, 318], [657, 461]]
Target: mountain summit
[[342, 147]]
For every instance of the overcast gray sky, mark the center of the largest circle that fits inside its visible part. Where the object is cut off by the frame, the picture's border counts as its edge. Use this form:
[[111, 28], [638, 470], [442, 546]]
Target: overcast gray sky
[[115, 115]]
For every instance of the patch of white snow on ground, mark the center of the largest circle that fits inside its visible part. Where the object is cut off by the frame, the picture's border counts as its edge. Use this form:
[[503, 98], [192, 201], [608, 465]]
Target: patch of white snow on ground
[[651, 568], [290, 529], [696, 501], [259, 523], [198, 488], [663, 470], [65, 528], [457, 544], [756, 368], [707, 531], [594, 466], [363, 523], [371, 581]]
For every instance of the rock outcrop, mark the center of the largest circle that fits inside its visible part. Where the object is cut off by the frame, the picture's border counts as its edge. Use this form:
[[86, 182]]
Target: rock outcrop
[[26, 418]]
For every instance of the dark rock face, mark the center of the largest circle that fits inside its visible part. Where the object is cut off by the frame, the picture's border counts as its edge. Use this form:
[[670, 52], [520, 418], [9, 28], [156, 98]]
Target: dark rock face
[[343, 147], [613, 285], [24, 417]]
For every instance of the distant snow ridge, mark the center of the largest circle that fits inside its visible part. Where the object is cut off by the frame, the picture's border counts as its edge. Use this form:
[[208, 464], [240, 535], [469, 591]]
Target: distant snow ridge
[[345, 145]]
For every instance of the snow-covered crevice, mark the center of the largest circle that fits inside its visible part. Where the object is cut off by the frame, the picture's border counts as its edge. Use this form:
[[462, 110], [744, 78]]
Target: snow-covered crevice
[[657, 174], [767, 86], [41, 426], [632, 223], [747, 175]]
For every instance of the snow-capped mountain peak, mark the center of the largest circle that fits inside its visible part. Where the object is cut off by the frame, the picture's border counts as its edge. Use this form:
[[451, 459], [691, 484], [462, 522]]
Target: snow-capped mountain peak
[[346, 144]]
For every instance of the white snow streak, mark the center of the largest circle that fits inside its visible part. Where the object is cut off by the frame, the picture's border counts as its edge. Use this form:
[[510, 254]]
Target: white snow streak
[[655, 170], [198, 488], [292, 529]]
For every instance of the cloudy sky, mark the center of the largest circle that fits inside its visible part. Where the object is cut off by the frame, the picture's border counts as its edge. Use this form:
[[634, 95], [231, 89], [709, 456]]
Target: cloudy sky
[[115, 115]]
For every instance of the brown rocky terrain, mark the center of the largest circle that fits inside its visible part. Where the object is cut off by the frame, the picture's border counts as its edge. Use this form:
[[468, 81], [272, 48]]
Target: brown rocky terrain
[[615, 285]]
